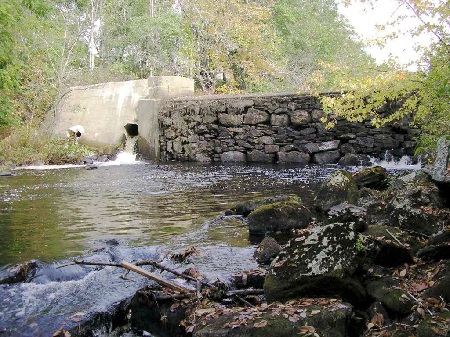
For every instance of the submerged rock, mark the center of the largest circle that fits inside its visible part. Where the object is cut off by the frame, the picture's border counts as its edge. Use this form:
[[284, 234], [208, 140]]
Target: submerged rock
[[279, 216], [321, 262], [18, 273]]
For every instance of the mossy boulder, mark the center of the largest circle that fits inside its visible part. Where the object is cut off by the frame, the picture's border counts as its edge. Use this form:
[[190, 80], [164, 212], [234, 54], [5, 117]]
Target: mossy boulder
[[340, 187], [436, 326], [324, 317], [375, 177], [245, 208], [413, 202], [440, 289], [279, 216], [396, 300], [320, 262]]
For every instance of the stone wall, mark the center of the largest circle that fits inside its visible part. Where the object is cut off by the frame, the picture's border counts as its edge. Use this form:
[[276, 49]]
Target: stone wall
[[282, 128]]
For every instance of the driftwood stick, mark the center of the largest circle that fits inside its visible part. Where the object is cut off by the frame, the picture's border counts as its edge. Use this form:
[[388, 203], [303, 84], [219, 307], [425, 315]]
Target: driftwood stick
[[154, 277], [244, 292], [393, 236], [186, 277]]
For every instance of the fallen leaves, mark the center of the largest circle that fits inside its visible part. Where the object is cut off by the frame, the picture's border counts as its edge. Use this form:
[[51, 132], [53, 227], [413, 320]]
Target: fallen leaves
[[260, 324], [61, 333], [185, 255]]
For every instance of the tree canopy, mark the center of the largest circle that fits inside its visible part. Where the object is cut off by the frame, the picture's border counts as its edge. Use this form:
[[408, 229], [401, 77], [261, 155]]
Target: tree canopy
[[226, 46]]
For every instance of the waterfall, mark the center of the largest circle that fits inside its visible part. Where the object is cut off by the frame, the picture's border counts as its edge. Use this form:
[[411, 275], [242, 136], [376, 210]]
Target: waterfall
[[405, 162], [128, 154]]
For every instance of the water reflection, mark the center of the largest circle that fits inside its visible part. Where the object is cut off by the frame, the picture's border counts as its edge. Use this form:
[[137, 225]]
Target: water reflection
[[50, 215]]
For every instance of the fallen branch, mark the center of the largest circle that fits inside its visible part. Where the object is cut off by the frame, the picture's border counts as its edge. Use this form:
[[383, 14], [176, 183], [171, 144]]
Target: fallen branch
[[244, 292], [187, 277], [154, 277], [142, 263], [393, 236]]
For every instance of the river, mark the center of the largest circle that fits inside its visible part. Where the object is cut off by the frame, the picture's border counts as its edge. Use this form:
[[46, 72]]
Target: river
[[128, 212]]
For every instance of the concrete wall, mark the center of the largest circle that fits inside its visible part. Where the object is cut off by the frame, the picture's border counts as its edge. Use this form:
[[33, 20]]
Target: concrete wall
[[282, 128], [104, 109]]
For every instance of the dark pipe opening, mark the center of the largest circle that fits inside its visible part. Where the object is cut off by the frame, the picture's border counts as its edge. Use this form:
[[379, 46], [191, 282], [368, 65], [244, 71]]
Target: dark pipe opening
[[132, 129]]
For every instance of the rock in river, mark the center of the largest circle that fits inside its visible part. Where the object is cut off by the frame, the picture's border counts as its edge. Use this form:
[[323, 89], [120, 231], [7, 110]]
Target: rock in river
[[321, 262]]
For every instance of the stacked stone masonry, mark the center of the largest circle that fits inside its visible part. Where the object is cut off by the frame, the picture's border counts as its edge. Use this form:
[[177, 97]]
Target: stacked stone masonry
[[283, 128]]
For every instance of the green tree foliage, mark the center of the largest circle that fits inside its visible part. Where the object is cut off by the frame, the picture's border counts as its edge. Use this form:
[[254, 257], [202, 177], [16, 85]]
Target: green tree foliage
[[313, 33], [423, 95], [234, 44], [227, 46]]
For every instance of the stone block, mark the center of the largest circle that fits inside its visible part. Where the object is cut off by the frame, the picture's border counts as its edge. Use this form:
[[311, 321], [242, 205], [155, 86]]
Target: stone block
[[267, 140], [271, 148], [230, 120], [255, 116], [233, 157], [330, 145], [328, 157], [294, 157], [300, 117], [279, 120], [260, 157]]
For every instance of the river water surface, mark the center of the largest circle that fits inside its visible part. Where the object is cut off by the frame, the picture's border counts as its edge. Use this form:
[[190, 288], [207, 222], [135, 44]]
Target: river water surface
[[123, 212]]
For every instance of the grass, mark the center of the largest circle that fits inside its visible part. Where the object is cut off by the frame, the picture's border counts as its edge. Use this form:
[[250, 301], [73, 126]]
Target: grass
[[21, 145]]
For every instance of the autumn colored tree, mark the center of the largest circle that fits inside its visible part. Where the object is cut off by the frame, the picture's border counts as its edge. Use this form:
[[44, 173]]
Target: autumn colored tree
[[422, 94]]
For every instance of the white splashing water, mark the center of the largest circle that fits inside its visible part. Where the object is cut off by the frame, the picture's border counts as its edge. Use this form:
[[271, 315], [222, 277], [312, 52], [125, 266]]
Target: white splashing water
[[404, 163], [127, 156]]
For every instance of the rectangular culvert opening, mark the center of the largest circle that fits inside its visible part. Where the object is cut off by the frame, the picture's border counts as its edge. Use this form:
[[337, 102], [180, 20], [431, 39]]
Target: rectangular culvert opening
[[132, 129]]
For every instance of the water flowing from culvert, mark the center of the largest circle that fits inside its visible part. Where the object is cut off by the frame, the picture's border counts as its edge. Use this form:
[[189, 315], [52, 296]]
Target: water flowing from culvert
[[124, 212]]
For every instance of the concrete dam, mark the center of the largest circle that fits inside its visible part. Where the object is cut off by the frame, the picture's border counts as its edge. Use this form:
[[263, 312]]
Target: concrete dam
[[172, 124]]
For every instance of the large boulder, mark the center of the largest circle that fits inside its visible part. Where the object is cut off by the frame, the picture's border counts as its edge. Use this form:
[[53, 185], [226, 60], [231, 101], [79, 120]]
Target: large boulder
[[375, 177], [393, 298], [321, 262], [440, 170], [415, 203], [340, 187], [279, 216]]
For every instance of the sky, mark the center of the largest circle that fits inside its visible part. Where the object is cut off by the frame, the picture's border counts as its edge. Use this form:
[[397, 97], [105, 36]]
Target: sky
[[364, 19]]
